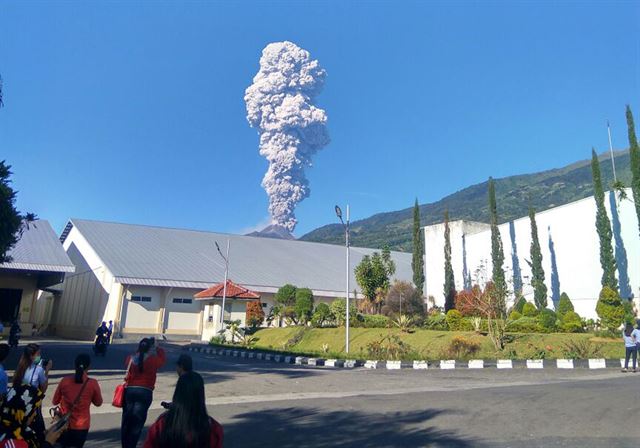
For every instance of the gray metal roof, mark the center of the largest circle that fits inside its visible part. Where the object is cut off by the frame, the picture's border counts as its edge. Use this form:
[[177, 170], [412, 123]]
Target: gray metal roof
[[144, 255], [39, 250]]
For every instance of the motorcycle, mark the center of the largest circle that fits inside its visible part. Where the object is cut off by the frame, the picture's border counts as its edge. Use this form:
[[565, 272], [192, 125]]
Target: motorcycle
[[100, 347]]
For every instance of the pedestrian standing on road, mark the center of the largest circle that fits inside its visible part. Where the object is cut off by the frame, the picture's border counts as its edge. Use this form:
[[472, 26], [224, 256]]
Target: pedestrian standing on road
[[184, 364], [75, 394], [16, 419], [631, 340], [186, 424], [141, 380], [4, 379], [109, 332], [33, 371]]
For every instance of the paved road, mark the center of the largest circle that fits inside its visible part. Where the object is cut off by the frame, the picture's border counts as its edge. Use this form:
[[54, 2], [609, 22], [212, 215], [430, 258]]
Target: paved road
[[262, 404]]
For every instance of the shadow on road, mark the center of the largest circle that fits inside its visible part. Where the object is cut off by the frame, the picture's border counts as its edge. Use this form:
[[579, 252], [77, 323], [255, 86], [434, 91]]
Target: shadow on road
[[295, 427]]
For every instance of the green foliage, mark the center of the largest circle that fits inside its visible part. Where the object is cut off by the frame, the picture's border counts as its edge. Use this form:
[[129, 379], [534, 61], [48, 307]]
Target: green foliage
[[603, 227], [523, 325], [321, 315], [497, 253], [455, 320], [10, 218], [537, 271], [339, 311], [375, 321], [417, 262], [634, 155], [581, 349], [529, 310], [304, 305], [233, 326], [403, 298], [515, 315], [571, 322], [546, 319], [404, 323], [389, 347], [373, 274], [564, 305], [519, 305], [461, 347], [449, 281], [286, 295], [436, 322], [610, 309], [218, 340]]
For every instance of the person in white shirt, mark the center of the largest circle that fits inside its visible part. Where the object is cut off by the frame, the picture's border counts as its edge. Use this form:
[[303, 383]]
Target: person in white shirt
[[631, 339]]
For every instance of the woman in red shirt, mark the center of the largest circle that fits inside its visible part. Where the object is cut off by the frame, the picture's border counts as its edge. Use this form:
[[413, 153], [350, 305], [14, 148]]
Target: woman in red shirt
[[186, 424], [75, 394], [140, 382]]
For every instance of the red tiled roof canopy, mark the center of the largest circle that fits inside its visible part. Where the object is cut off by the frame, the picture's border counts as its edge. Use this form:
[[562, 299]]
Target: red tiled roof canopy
[[233, 292]]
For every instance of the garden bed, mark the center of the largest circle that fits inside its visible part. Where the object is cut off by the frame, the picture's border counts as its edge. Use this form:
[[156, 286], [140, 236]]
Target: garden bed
[[434, 345]]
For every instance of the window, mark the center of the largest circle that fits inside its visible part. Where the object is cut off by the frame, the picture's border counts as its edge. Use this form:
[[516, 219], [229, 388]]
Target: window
[[264, 305], [227, 312], [140, 299], [182, 300]]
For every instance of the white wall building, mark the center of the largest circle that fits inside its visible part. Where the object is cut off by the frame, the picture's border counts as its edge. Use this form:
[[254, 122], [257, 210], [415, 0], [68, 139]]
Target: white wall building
[[570, 251], [144, 278]]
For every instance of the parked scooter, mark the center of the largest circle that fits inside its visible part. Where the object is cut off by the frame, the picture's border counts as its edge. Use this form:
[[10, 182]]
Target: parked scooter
[[100, 347]]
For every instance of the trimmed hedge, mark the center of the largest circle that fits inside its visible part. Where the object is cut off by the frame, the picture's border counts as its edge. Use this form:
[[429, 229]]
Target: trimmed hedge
[[524, 325], [529, 310]]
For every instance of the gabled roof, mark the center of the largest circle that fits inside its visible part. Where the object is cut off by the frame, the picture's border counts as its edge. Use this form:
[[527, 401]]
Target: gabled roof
[[39, 250], [233, 291], [157, 256]]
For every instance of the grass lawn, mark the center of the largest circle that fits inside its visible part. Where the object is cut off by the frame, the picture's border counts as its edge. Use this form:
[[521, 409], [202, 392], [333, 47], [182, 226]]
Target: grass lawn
[[427, 344]]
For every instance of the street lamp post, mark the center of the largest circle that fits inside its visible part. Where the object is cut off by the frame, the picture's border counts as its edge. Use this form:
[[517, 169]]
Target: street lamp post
[[226, 277], [346, 235]]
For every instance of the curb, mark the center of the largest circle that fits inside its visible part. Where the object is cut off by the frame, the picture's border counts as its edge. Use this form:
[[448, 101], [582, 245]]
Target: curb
[[445, 364]]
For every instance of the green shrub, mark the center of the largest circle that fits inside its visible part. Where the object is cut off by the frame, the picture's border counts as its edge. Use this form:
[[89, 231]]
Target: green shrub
[[515, 315], [389, 347], [321, 315], [375, 321], [629, 315], [339, 311], [546, 320], [523, 325], [572, 322], [304, 305], [529, 310], [519, 305], [461, 348], [436, 322], [454, 320], [581, 349], [286, 295], [564, 305], [610, 309]]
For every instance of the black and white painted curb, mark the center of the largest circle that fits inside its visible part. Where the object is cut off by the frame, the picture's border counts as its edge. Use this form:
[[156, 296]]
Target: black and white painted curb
[[449, 364]]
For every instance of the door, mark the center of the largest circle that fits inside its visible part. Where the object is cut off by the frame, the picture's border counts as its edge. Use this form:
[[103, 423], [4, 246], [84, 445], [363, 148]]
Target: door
[[9, 304]]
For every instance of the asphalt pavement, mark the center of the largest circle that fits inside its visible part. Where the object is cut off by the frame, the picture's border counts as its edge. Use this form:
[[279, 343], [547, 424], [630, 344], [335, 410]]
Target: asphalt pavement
[[262, 404]]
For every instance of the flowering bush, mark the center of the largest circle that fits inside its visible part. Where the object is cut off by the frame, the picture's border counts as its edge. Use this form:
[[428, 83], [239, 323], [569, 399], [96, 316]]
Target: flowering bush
[[255, 314]]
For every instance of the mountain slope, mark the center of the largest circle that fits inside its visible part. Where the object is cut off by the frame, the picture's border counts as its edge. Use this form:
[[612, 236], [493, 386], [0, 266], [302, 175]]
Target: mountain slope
[[546, 189]]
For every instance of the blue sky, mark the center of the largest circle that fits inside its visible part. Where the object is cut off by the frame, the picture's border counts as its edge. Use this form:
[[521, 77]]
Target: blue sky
[[134, 112]]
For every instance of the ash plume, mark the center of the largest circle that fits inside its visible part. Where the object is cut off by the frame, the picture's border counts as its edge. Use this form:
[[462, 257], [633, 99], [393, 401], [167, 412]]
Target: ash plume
[[280, 106]]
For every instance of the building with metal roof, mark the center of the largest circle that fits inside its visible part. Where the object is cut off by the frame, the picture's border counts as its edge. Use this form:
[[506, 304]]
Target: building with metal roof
[[144, 278], [37, 262]]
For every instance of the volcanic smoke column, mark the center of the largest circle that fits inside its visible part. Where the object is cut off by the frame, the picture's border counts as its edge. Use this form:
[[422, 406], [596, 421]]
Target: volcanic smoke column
[[292, 129]]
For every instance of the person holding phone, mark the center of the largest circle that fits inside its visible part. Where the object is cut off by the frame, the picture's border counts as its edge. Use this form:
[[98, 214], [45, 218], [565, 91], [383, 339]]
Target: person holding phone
[[75, 394], [141, 380]]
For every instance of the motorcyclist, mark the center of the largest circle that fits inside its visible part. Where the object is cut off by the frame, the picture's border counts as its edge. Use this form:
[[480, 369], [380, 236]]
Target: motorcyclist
[[102, 338]]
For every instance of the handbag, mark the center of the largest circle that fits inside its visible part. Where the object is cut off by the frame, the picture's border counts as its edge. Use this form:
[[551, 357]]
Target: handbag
[[118, 394], [61, 418]]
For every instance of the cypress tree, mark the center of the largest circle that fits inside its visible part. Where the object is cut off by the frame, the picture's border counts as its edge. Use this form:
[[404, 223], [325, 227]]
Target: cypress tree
[[417, 263], [497, 253], [634, 154], [603, 227], [537, 271], [449, 281]]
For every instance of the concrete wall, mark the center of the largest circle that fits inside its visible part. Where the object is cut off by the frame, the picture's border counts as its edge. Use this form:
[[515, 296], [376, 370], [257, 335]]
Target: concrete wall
[[570, 250]]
